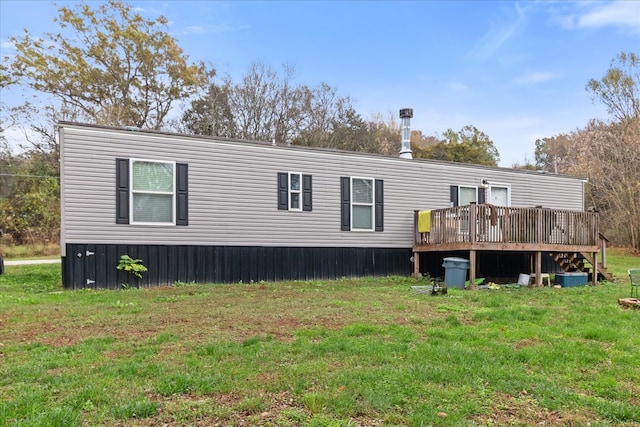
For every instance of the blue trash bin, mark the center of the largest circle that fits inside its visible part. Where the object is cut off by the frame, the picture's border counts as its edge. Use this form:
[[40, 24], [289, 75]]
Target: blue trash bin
[[455, 272]]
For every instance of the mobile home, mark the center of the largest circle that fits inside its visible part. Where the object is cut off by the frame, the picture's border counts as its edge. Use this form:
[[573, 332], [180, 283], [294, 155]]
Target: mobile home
[[207, 209]]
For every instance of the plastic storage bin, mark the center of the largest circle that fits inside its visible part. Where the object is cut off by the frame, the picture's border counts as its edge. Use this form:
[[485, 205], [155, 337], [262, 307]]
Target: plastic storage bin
[[455, 272], [567, 280]]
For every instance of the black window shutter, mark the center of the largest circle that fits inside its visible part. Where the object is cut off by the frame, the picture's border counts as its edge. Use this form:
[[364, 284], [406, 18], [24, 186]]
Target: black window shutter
[[306, 193], [453, 196], [482, 196], [182, 194], [122, 191], [345, 203], [379, 205], [283, 191]]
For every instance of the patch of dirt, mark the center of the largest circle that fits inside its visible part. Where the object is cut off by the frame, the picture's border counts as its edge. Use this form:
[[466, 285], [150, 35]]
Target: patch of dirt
[[229, 405], [273, 412], [524, 410], [525, 343]]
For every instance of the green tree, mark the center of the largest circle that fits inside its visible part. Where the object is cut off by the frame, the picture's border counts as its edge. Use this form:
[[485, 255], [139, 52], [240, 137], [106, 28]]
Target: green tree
[[351, 132], [110, 64], [555, 154], [29, 184], [421, 143], [469, 145], [210, 112], [30, 210]]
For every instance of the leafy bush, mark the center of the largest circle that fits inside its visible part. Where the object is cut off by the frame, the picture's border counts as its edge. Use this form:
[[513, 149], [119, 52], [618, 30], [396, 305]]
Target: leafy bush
[[133, 266]]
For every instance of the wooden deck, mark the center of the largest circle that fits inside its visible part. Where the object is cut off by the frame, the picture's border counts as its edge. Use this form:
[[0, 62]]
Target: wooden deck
[[487, 227]]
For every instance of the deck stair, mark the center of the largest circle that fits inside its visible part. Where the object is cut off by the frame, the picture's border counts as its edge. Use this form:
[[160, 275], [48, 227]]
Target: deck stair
[[578, 262]]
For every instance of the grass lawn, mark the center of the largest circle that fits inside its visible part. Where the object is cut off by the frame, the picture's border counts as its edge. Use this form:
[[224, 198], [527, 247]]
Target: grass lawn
[[365, 352]]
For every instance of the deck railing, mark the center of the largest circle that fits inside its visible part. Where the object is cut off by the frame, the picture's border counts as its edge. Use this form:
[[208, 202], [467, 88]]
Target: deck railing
[[487, 223]]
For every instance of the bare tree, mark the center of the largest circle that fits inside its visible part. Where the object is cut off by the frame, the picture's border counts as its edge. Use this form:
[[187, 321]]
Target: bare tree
[[619, 89], [386, 134], [266, 105], [609, 156]]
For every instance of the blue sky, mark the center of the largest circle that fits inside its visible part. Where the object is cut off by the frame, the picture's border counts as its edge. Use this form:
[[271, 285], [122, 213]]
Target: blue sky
[[515, 70]]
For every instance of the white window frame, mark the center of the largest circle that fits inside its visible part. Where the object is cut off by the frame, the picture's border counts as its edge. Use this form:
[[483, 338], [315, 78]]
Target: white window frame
[[290, 191], [132, 192], [372, 205], [460, 187], [499, 185], [463, 225]]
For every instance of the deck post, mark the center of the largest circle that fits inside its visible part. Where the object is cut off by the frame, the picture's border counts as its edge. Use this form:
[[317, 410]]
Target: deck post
[[539, 226], [603, 253], [472, 269], [416, 264], [416, 233], [473, 221], [594, 257], [538, 269]]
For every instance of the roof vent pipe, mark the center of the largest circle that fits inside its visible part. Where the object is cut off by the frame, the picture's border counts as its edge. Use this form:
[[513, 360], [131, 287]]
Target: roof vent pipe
[[405, 115]]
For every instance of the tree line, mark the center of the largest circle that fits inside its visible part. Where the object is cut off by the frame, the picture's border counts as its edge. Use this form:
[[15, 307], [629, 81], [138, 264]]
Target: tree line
[[607, 154], [110, 66]]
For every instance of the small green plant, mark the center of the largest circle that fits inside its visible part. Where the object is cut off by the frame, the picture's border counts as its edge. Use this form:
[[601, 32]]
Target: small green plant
[[180, 283], [133, 266]]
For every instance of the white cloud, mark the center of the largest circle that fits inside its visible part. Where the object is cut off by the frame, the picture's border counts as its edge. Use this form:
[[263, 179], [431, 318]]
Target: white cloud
[[624, 14], [210, 29], [499, 33], [195, 29], [220, 28], [536, 77], [458, 87]]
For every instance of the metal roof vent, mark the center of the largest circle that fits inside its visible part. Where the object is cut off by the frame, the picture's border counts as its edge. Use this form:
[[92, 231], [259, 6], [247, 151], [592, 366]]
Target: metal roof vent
[[405, 115]]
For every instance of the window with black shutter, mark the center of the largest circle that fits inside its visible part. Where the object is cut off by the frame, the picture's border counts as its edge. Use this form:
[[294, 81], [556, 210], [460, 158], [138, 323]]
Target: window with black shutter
[[151, 192], [361, 204], [294, 191]]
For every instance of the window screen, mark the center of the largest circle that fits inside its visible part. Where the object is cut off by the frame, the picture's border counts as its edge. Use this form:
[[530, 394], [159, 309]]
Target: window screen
[[362, 204], [152, 194]]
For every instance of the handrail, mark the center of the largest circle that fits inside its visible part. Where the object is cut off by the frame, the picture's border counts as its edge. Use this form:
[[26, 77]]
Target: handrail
[[486, 223]]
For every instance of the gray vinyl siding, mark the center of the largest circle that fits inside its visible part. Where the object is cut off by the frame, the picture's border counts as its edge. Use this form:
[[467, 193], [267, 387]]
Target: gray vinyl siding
[[233, 190]]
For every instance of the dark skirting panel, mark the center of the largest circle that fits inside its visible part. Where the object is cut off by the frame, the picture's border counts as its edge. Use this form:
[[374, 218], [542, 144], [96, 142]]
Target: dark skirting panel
[[94, 266]]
